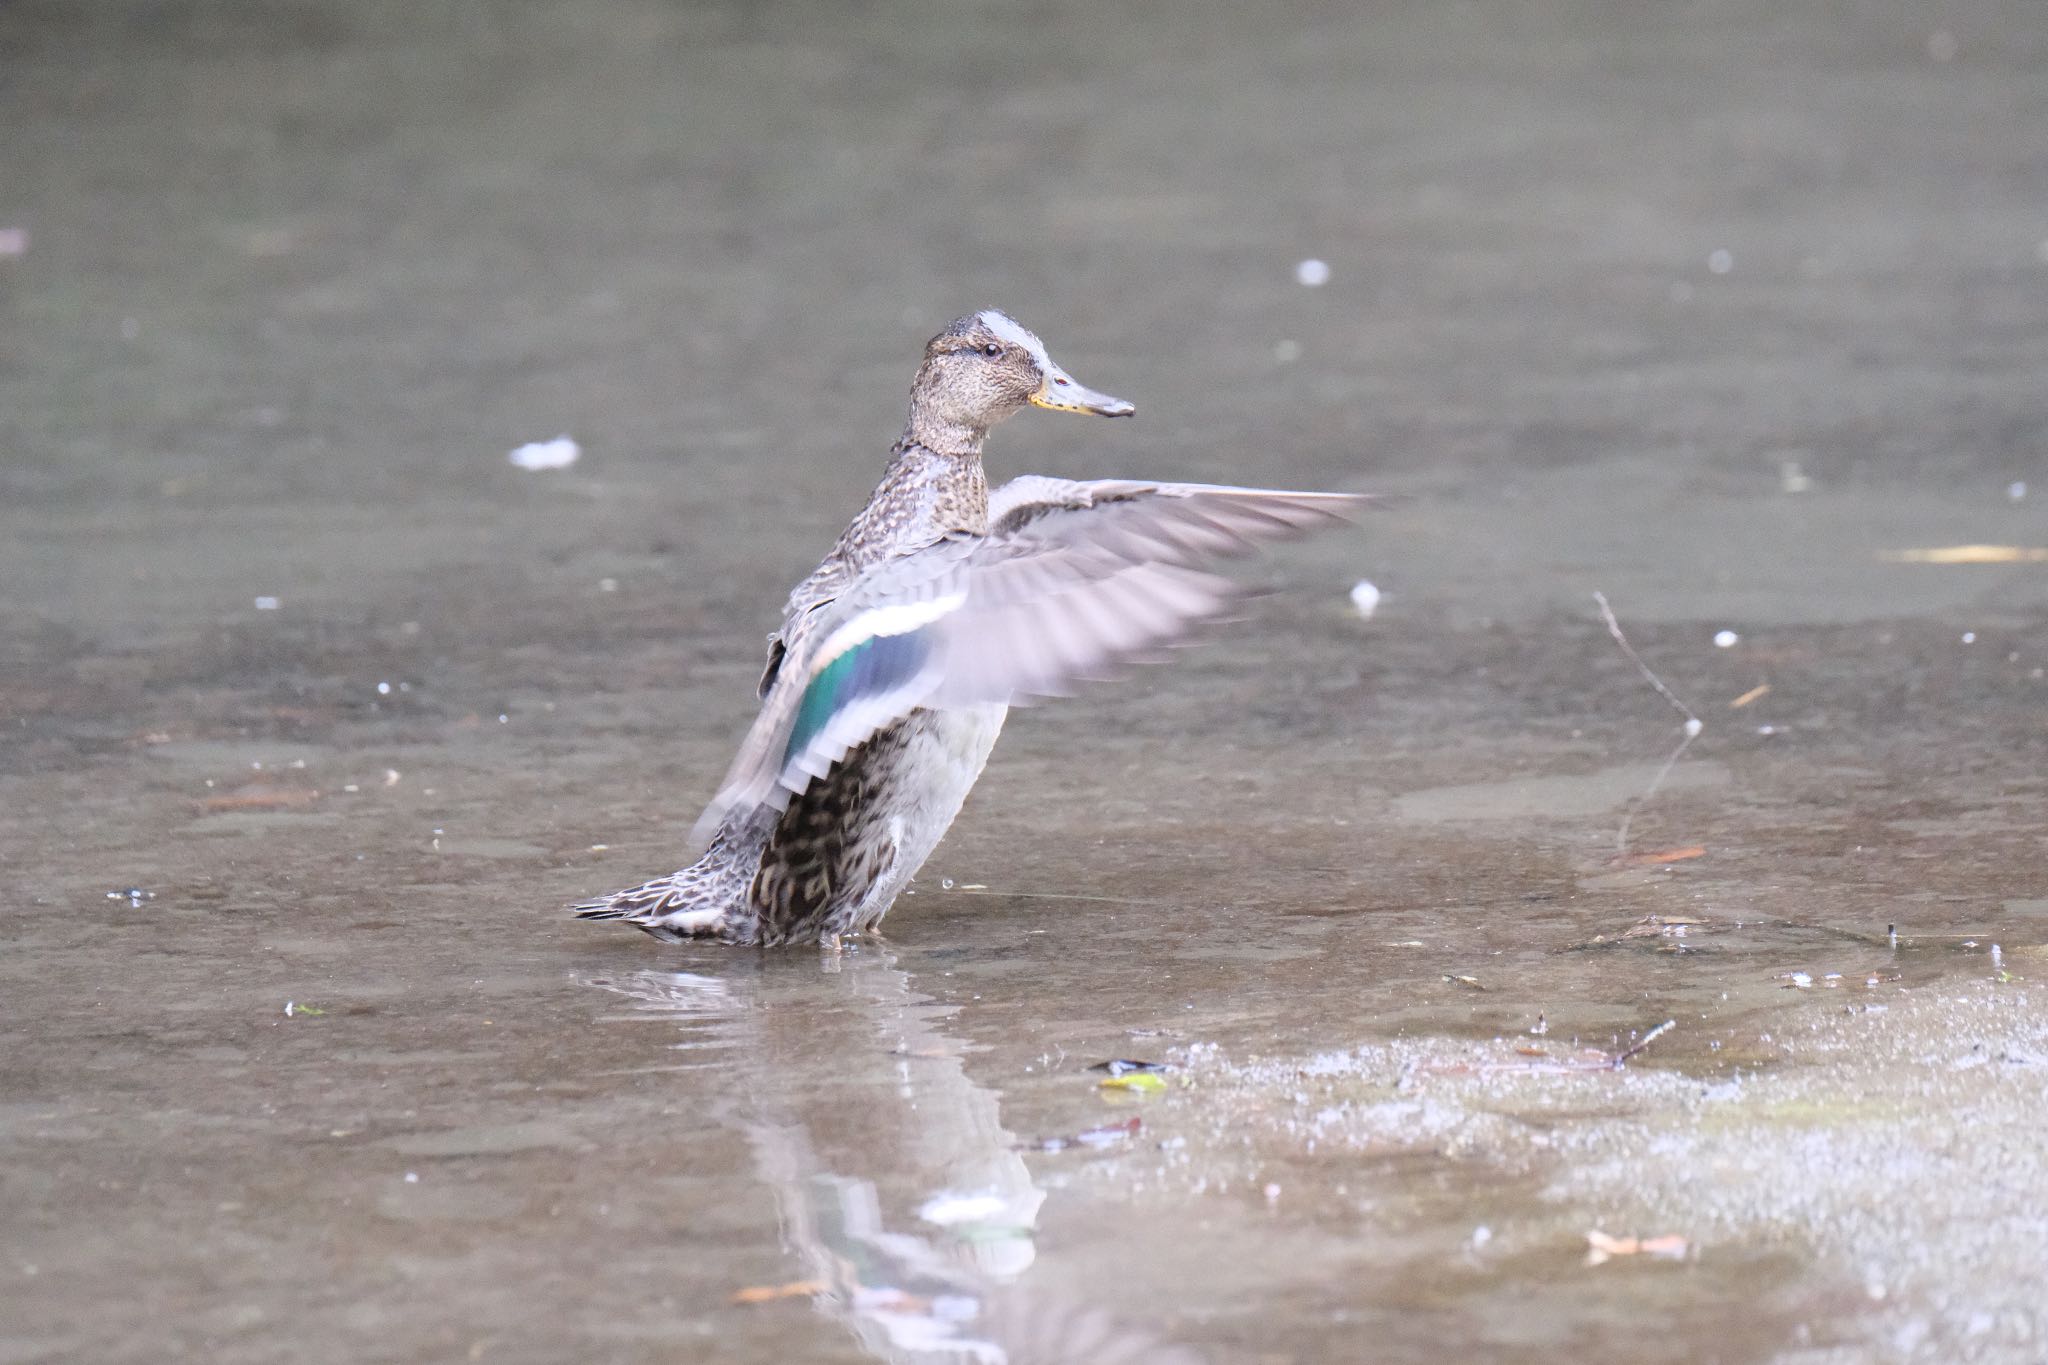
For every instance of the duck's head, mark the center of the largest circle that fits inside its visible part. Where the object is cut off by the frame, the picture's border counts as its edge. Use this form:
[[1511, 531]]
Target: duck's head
[[986, 366]]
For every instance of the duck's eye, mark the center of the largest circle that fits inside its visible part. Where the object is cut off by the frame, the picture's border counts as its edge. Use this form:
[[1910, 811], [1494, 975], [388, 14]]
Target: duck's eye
[[992, 349]]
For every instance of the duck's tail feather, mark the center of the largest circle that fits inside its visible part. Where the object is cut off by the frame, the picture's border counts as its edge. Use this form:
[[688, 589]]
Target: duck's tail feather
[[705, 900]]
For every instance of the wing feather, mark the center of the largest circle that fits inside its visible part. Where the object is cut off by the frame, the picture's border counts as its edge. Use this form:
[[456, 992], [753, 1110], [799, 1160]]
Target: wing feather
[[1074, 582]]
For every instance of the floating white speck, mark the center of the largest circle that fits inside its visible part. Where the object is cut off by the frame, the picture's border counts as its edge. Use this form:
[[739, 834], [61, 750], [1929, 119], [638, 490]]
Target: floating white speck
[[1793, 479], [266, 604], [391, 777], [1969, 637], [289, 1006], [1312, 273], [607, 585], [1721, 261], [559, 453], [1726, 639], [951, 1210], [1693, 726], [1272, 1193], [412, 1177], [2016, 490], [1481, 1235], [1365, 598]]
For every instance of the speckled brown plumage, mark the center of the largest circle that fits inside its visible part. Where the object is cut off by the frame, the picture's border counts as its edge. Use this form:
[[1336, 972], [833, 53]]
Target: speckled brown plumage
[[830, 847]]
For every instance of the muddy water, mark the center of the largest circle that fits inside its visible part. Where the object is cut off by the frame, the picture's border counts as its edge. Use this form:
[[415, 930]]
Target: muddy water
[[338, 1081]]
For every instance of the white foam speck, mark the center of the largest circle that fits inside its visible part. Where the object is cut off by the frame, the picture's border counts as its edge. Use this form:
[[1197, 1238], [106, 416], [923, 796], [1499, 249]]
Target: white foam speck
[[1721, 261], [266, 604], [2016, 490], [951, 1210], [1726, 639], [559, 453], [1312, 273], [1365, 597]]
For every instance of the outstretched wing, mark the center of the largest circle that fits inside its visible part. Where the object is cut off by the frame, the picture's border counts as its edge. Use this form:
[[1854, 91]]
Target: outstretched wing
[[1073, 581]]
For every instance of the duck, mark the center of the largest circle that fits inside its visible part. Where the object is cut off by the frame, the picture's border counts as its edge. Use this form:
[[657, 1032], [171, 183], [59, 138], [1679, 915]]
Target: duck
[[942, 605]]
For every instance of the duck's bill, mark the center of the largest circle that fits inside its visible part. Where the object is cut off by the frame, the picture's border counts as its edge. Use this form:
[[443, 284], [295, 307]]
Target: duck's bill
[[1061, 393]]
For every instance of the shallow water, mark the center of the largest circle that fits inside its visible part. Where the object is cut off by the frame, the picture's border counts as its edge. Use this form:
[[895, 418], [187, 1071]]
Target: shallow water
[[340, 1082]]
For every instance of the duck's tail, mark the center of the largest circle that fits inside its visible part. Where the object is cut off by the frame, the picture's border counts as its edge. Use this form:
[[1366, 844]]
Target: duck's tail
[[708, 899]]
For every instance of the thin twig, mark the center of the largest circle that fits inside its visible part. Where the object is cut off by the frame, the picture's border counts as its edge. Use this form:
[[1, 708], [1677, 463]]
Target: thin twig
[[1648, 1038], [1693, 724]]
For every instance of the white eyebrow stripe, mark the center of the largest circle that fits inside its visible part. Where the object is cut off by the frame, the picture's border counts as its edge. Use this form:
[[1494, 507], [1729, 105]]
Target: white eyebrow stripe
[[1014, 332]]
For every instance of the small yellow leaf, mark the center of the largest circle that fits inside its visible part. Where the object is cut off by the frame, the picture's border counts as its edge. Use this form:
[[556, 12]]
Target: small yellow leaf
[[1970, 554]]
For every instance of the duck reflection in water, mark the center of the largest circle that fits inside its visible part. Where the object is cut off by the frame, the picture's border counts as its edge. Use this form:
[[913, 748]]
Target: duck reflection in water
[[910, 1208]]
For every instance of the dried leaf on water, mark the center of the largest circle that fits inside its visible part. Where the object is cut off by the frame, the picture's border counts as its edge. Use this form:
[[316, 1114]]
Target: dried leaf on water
[[1970, 554], [1661, 856], [1601, 1248], [769, 1293], [1471, 981]]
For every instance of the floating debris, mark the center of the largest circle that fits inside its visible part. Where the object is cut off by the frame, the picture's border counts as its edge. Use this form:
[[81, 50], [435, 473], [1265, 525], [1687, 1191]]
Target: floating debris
[[134, 895], [1124, 1066], [1134, 1083], [951, 1210], [1652, 926], [1365, 598], [267, 604], [769, 1293], [1756, 693], [1468, 981], [1539, 1062], [1312, 273], [1108, 1135], [1726, 639], [1662, 856], [261, 796], [559, 453], [1601, 1248], [1972, 554]]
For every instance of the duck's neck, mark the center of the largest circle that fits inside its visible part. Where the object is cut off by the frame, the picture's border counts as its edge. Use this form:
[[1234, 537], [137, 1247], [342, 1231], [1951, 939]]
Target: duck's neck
[[924, 494], [940, 435]]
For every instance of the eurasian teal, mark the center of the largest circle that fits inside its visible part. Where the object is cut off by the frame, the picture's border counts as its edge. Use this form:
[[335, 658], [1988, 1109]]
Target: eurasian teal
[[941, 606]]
